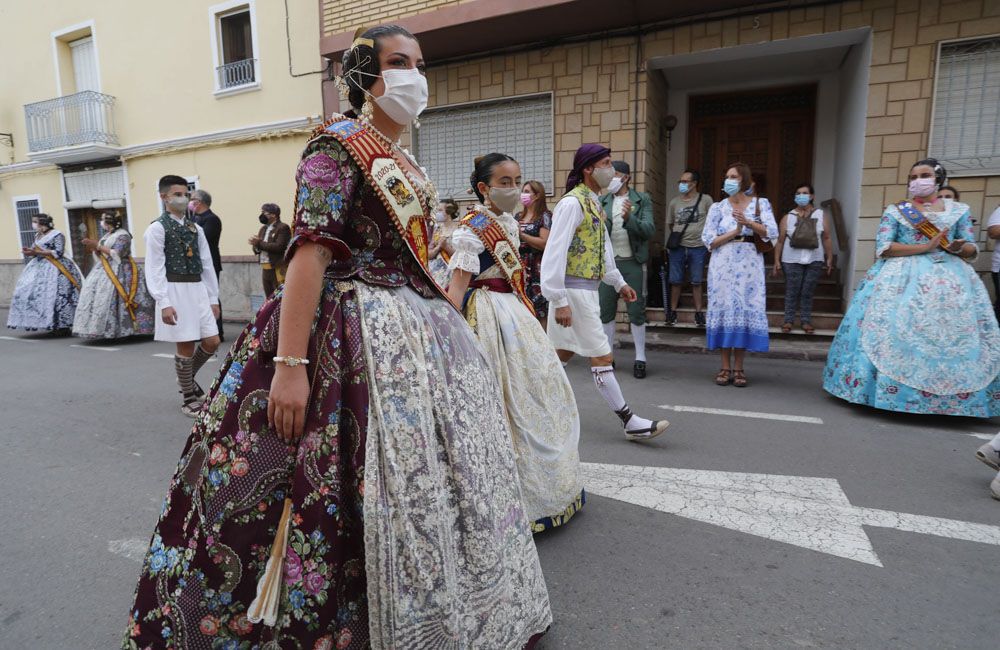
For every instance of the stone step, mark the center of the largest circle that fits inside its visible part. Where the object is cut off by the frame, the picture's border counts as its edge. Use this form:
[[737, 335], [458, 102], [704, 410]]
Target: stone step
[[821, 320]]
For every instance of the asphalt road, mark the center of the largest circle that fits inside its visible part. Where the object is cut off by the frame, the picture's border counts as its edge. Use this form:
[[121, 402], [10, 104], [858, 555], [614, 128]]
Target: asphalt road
[[92, 437]]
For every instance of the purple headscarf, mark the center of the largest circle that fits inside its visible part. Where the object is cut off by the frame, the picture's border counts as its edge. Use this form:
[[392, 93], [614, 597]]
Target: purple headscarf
[[586, 155]]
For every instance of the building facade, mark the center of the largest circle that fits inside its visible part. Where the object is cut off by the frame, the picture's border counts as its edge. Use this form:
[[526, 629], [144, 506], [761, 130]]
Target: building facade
[[847, 95], [99, 100]]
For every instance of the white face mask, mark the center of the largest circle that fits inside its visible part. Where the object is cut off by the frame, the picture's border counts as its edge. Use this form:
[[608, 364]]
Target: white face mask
[[178, 203], [506, 199], [603, 176], [616, 184], [405, 95]]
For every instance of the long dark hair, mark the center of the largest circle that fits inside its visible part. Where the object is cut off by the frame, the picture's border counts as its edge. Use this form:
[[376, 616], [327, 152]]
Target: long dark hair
[[360, 63], [539, 207], [483, 170]]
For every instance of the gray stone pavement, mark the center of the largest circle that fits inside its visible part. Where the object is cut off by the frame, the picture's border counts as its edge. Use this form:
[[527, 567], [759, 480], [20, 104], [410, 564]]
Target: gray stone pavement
[[92, 437]]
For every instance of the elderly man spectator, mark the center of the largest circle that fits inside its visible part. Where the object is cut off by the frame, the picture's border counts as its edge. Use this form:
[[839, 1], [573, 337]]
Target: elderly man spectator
[[201, 211]]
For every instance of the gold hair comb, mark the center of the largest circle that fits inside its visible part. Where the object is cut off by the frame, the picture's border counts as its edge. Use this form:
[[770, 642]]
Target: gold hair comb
[[363, 41]]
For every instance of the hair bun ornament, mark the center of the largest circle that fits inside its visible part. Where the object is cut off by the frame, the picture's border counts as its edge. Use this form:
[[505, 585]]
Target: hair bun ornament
[[367, 42]]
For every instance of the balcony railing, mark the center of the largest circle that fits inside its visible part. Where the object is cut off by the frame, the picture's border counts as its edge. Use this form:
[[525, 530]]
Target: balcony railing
[[82, 118], [237, 73]]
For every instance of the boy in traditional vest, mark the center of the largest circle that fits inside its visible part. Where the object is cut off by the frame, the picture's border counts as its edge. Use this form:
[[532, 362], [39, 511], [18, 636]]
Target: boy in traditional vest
[[181, 278], [578, 257]]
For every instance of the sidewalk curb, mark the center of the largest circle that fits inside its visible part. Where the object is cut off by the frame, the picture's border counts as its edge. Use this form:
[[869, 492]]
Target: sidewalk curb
[[777, 351]]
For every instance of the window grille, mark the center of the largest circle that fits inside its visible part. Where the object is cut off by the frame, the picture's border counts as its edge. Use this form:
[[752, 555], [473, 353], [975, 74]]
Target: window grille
[[25, 211], [449, 140], [965, 134]]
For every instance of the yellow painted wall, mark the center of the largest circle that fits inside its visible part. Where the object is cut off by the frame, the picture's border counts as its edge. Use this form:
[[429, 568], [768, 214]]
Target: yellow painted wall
[[157, 63], [237, 190], [45, 183]]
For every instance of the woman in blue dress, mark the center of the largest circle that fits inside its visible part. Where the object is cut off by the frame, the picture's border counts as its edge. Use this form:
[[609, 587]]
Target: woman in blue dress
[[737, 306], [48, 290], [920, 335]]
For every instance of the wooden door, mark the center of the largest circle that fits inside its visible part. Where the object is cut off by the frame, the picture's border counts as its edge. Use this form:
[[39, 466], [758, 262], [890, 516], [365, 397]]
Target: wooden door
[[84, 223], [770, 130]]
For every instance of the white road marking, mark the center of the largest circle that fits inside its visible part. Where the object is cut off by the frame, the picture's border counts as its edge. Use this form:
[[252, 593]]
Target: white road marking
[[982, 436], [93, 347], [133, 549], [18, 339], [810, 512], [742, 414]]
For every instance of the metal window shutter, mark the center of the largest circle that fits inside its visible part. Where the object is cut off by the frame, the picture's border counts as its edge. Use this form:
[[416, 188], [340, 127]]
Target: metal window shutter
[[449, 140], [965, 135]]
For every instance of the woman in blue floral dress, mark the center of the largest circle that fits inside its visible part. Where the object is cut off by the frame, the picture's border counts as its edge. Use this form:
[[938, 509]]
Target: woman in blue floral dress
[[737, 309], [350, 482], [920, 335], [47, 292]]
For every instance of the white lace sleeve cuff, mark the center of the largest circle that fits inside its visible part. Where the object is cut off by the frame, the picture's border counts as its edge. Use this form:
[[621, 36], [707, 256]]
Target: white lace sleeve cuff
[[467, 249]]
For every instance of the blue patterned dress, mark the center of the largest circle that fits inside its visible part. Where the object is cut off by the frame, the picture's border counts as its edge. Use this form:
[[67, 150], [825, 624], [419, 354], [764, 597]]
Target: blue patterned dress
[[44, 298], [737, 300], [920, 335]]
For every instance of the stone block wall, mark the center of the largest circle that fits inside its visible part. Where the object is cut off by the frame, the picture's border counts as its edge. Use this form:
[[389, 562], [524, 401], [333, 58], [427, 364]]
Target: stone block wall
[[905, 37], [343, 15], [598, 97], [594, 93]]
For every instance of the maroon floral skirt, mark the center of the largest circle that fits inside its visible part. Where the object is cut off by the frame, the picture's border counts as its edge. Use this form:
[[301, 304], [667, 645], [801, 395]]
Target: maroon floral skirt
[[221, 513]]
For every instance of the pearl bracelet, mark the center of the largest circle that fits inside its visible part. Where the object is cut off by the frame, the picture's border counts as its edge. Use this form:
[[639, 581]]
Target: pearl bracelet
[[291, 362]]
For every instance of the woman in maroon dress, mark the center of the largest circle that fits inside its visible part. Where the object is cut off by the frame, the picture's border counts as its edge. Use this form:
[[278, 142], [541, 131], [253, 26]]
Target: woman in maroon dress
[[535, 223], [350, 482]]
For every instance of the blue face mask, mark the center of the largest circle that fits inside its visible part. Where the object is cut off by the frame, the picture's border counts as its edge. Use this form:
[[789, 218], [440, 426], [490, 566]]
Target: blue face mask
[[802, 200], [683, 188], [731, 186]]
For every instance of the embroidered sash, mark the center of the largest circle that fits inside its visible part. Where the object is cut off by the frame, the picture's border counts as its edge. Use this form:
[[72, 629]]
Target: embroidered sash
[[922, 224], [494, 238], [127, 298], [62, 268], [401, 200]]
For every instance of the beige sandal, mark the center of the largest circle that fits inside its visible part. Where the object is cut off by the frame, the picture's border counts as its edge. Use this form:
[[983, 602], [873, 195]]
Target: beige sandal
[[724, 377]]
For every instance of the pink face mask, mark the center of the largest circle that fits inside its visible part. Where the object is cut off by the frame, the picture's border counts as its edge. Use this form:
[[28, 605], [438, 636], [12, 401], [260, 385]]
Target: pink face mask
[[191, 205], [921, 187], [526, 198]]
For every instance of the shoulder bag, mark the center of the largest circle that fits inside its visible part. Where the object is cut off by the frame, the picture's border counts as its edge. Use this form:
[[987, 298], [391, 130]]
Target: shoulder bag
[[675, 238], [806, 232], [762, 246]]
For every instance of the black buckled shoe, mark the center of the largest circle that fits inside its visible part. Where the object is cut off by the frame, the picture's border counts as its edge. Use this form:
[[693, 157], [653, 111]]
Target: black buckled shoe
[[639, 370]]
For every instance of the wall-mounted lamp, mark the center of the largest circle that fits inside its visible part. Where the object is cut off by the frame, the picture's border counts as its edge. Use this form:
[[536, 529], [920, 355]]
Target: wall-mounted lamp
[[667, 129]]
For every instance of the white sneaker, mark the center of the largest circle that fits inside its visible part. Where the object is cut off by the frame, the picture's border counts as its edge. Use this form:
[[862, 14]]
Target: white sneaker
[[995, 487]]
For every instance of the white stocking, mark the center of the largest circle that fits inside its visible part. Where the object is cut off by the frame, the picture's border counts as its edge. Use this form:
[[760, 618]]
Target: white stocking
[[639, 337]]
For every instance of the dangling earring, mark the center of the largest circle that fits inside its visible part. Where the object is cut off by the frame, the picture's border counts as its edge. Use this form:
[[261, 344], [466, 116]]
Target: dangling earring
[[367, 110]]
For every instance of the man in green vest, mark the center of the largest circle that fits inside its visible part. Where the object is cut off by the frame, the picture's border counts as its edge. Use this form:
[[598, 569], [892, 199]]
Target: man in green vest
[[578, 257], [181, 278], [629, 218]]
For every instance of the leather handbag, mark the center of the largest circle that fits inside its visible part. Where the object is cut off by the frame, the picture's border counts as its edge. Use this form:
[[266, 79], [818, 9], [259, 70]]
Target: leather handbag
[[762, 246]]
